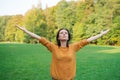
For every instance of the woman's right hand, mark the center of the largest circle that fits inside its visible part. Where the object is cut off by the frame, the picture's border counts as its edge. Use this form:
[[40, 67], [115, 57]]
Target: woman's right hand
[[28, 32], [22, 28]]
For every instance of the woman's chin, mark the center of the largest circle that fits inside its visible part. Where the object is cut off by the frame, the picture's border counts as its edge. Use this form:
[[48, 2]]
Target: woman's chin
[[64, 39]]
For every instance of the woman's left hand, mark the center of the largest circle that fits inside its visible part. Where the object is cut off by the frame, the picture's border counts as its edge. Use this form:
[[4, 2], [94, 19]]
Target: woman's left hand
[[104, 32]]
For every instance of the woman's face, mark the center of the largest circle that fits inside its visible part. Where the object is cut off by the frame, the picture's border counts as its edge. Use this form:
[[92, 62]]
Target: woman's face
[[63, 35]]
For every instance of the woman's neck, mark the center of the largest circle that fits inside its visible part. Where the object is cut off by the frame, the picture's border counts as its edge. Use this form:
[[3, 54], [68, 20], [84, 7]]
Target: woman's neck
[[63, 43]]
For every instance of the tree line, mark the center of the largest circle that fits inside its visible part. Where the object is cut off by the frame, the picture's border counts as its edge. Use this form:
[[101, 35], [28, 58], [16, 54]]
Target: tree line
[[83, 18]]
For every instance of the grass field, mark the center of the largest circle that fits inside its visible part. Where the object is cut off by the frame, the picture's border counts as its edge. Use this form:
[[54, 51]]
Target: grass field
[[32, 62]]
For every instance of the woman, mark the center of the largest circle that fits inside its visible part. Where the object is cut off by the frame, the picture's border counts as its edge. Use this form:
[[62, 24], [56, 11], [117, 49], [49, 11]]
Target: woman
[[63, 65]]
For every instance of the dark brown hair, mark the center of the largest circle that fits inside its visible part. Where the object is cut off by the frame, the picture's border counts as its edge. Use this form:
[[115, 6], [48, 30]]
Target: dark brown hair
[[69, 37]]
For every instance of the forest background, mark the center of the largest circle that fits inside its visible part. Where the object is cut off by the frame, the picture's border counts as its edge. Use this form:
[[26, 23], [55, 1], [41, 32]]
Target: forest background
[[84, 18]]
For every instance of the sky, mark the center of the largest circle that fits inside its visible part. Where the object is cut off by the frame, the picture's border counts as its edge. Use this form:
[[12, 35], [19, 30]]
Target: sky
[[13, 7]]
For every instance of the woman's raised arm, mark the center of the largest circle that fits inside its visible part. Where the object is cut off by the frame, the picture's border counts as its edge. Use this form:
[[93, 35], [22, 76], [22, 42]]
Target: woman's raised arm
[[97, 36], [28, 32]]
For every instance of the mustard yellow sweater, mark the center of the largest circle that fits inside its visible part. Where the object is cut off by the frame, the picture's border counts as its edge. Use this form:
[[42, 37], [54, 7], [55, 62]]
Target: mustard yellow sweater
[[63, 65]]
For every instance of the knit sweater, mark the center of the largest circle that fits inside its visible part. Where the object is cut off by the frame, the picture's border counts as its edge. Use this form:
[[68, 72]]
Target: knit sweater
[[63, 65]]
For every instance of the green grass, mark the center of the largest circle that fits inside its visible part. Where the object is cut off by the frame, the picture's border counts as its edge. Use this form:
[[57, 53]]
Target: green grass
[[32, 62]]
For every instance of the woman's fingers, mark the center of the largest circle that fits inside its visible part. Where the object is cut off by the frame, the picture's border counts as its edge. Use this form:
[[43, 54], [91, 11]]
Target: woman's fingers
[[104, 32]]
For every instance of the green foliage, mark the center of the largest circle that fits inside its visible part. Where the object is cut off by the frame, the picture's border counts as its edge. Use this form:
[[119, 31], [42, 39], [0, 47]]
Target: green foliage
[[77, 32], [65, 15], [3, 22], [11, 33], [84, 19], [35, 22], [50, 15]]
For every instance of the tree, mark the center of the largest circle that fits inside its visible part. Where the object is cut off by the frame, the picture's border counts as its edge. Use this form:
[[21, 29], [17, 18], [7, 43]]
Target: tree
[[50, 14], [11, 33], [35, 22], [77, 32], [3, 22], [65, 14]]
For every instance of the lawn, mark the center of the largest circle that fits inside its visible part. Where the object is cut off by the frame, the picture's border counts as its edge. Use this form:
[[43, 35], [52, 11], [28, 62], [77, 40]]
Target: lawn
[[32, 62]]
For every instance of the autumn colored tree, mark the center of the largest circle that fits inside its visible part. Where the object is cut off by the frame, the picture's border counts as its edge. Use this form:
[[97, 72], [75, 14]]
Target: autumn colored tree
[[35, 22], [3, 22], [12, 34]]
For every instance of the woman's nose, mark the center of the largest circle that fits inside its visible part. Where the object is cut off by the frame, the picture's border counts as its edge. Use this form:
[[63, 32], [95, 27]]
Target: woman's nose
[[63, 33]]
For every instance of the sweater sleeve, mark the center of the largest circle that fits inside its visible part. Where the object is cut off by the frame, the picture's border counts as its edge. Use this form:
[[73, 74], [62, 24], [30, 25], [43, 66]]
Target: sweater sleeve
[[80, 44], [46, 43]]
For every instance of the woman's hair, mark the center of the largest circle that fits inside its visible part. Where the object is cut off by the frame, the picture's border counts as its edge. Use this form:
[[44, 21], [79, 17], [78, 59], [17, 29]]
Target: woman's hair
[[69, 37]]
